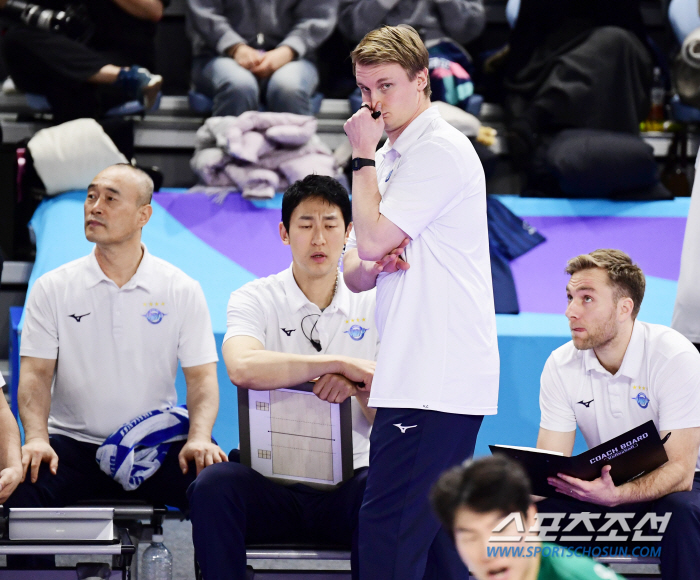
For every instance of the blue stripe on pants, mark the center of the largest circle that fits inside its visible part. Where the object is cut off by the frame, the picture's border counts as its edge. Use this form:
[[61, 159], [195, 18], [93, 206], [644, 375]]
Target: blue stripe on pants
[[399, 538]]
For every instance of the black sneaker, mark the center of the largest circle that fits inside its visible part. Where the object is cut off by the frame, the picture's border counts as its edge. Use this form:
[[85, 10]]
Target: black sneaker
[[141, 85]]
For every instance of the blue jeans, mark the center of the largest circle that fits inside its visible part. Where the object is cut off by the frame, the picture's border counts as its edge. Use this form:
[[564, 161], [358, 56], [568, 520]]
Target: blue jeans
[[235, 89]]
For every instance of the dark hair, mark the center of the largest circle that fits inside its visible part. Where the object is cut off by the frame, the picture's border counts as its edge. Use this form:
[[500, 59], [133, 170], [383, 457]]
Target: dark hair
[[321, 187], [626, 278], [488, 484]]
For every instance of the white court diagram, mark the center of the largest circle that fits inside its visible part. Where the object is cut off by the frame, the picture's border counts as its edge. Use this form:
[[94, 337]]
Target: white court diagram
[[302, 438], [295, 436]]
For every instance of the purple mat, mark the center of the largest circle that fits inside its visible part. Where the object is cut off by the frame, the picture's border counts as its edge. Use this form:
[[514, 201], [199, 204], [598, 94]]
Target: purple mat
[[654, 243], [249, 236]]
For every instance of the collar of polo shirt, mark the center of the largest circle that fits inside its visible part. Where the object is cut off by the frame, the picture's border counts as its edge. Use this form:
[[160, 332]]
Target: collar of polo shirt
[[297, 299], [411, 134], [631, 362], [94, 274]]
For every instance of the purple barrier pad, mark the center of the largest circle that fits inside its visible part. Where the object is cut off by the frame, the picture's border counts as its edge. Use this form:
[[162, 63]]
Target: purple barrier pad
[[247, 235], [654, 243]]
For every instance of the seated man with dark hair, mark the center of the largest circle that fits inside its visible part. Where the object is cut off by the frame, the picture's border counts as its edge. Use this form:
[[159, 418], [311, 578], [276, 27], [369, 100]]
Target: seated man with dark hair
[[104, 68], [471, 501], [285, 330], [616, 374]]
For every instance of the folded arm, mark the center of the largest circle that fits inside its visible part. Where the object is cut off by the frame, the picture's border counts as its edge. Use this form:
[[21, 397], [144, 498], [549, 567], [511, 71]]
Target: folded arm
[[250, 366]]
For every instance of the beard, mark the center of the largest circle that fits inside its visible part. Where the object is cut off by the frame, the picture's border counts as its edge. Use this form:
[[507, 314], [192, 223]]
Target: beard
[[598, 335]]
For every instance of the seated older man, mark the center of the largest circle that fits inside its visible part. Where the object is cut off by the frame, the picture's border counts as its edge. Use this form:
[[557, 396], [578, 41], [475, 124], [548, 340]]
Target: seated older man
[[101, 341]]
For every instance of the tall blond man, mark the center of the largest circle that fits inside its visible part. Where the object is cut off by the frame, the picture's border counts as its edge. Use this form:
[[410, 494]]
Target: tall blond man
[[420, 238]]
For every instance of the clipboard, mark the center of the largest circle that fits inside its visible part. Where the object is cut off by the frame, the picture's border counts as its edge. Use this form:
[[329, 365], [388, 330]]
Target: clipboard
[[630, 455], [291, 436]]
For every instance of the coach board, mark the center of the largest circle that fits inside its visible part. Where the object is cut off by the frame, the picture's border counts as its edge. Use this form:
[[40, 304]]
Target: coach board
[[291, 436]]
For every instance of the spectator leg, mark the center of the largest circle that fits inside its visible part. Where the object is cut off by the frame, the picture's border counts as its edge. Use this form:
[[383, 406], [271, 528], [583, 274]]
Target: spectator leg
[[603, 83], [291, 87], [233, 88], [397, 530], [57, 67], [230, 504], [681, 541]]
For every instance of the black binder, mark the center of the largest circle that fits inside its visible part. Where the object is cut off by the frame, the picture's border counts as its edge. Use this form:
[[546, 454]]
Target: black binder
[[630, 455]]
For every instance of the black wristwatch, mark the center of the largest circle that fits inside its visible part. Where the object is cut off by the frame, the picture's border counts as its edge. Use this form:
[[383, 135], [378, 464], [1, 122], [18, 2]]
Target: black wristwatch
[[360, 162]]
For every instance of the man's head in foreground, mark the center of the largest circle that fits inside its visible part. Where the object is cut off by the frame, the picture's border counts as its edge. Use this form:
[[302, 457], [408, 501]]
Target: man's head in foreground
[[604, 295], [316, 221], [118, 205], [472, 500], [391, 68]]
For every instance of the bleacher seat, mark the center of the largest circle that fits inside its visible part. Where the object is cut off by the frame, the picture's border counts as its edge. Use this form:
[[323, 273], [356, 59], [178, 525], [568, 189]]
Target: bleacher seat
[[40, 104], [200, 103]]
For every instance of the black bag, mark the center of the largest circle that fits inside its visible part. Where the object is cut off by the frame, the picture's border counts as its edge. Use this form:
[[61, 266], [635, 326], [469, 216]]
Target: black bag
[[591, 163]]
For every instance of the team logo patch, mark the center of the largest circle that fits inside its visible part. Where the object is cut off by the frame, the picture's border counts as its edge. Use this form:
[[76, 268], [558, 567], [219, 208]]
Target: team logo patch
[[356, 332], [642, 400], [154, 316]]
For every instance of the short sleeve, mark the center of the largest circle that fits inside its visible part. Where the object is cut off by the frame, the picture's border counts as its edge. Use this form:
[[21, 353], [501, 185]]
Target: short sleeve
[[2, 380], [678, 390], [245, 315], [196, 345], [555, 408], [40, 331], [352, 241], [423, 186]]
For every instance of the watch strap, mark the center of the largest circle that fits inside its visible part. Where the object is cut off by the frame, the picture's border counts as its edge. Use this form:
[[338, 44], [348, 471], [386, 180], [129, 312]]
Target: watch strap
[[360, 162]]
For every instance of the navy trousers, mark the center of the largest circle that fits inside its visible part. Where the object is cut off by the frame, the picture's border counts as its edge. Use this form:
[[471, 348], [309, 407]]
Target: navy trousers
[[680, 544], [79, 478], [232, 505], [399, 538]]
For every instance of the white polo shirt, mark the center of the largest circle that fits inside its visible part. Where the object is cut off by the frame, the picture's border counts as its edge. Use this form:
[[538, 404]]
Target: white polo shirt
[[2, 381], [436, 320], [117, 348], [659, 379], [276, 312]]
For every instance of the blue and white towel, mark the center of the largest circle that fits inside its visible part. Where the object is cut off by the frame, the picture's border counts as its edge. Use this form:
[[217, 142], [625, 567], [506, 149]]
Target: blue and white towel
[[135, 451]]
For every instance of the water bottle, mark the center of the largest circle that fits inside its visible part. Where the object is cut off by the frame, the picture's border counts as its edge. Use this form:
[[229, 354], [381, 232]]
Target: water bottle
[[157, 561]]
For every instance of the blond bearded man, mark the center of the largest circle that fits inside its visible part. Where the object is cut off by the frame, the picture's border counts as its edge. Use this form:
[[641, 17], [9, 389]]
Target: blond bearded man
[[615, 374]]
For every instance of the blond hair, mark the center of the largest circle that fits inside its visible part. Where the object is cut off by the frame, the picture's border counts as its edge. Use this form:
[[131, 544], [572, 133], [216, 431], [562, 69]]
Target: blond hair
[[400, 44], [626, 278]]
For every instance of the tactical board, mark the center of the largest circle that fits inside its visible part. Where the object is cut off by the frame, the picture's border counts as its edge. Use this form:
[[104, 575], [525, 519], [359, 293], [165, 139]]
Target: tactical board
[[291, 436]]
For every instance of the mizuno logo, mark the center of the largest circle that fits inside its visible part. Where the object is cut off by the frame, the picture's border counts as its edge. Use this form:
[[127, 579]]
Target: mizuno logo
[[78, 316], [587, 405], [403, 429], [288, 332]]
